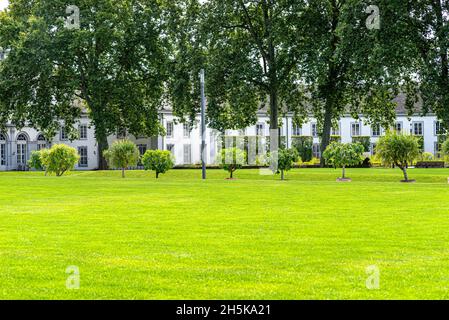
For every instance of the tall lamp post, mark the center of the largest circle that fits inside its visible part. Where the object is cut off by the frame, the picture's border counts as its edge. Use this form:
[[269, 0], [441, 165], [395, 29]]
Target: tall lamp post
[[203, 125]]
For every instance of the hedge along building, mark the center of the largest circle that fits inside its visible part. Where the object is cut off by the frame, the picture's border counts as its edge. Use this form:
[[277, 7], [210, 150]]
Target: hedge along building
[[185, 142]]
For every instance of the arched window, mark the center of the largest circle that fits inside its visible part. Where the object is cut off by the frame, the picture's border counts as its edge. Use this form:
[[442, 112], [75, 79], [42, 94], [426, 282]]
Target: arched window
[[22, 137], [22, 149], [41, 142], [2, 149]]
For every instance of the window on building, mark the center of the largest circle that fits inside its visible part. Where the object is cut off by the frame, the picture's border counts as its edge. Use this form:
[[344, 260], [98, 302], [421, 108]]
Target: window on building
[[316, 150], [2, 150], [171, 148], [170, 129], [335, 131], [187, 130], [83, 131], [63, 135], [314, 130], [142, 149], [41, 142], [437, 150], [418, 128], [84, 159], [376, 130], [22, 148], [297, 130], [398, 127], [355, 129], [260, 129], [187, 154], [439, 128]]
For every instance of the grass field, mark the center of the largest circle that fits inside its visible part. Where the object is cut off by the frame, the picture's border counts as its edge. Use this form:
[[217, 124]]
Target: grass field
[[252, 238]]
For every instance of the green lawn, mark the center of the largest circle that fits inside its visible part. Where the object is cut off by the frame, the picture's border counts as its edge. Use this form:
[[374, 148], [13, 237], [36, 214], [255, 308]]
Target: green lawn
[[251, 238]]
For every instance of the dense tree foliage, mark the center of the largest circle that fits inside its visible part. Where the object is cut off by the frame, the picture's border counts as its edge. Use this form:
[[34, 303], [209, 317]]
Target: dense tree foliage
[[428, 29], [113, 66]]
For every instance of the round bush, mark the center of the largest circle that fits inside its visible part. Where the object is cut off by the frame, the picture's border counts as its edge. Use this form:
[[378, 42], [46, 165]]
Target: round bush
[[158, 161]]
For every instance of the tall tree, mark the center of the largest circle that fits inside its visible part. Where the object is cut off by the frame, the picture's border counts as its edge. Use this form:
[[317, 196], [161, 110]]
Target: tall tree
[[113, 64], [429, 30], [352, 60], [249, 49]]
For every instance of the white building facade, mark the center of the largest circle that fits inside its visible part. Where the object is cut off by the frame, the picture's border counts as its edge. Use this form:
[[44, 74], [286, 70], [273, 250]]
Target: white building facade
[[185, 142]]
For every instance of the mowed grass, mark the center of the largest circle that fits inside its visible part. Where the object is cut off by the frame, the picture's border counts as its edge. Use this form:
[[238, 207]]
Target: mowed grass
[[252, 238]]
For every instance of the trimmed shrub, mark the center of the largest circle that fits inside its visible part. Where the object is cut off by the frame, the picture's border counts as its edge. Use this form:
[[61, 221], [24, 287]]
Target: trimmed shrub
[[35, 161], [342, 155], [232, 159], [304, 145], [399, 150], [59, 159], [122, 155], [158, 161]]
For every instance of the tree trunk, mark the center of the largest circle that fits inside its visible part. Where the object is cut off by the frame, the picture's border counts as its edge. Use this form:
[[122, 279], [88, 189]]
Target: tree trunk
[[344, 172], [330, 89], [326, 134], [123, 172], [404, 170], [232, 171], [282, 175], [157, 175], [102, 141]]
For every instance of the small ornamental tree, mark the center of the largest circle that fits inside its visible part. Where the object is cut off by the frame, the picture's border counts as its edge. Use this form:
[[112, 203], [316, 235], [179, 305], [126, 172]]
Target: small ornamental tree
[[232, 159], [158, 161], [35, 161], [342, 155], [122, 155], [59, 159], [285, 160], [399, 150]]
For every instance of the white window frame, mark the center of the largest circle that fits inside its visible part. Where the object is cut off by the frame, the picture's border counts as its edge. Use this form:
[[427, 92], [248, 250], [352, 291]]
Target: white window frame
[[376, 130], [3, 150], [296, 130], [83, 157], [83, 131], [353, 126], [314, 129], [186, 130], [170, 129], [436, 129], [187, 154], [260, 129], [401, 124], [414, 124], [63, 135]]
